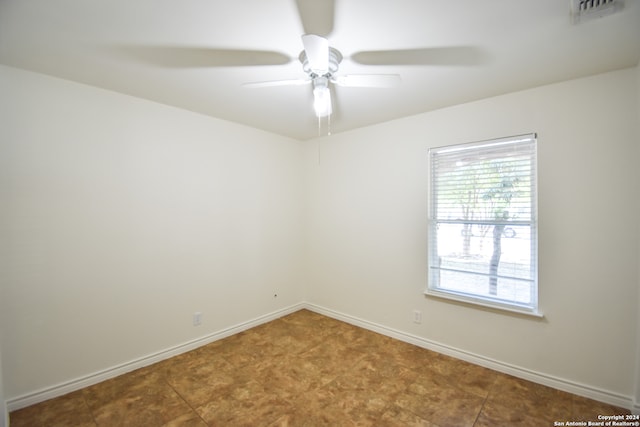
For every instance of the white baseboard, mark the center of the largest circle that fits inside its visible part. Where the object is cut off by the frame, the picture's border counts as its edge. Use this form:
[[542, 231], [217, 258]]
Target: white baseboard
[[526, 374], [97, 377], [537, 377]]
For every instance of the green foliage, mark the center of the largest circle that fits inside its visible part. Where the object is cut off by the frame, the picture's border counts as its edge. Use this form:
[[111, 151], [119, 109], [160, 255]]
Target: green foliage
[[484, 190]]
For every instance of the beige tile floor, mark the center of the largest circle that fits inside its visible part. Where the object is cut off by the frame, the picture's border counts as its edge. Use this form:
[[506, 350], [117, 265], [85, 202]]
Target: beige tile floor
[[306, 369]]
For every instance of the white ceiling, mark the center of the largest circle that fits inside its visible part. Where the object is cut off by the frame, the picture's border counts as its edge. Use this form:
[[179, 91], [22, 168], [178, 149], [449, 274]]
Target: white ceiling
[[178, 52]]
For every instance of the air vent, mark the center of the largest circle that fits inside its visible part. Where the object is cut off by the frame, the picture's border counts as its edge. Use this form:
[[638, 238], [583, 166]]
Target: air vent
[[584, 10]]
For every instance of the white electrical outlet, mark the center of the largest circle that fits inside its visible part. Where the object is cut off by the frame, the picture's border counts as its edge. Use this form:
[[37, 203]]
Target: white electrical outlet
[[197, 318], [417, 316]]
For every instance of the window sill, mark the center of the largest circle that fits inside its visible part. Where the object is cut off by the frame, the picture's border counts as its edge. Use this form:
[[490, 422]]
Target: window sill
[[459, 297]]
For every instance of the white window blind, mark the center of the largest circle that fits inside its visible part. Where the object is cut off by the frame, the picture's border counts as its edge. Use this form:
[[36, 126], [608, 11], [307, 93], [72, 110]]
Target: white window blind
[[482, 223]]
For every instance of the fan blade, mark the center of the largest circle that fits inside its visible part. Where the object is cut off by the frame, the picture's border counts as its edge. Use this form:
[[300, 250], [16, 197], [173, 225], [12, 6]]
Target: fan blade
[[316, 16], [195, 57], [317, 50], [456, 55], [367, 80], [273, 83]]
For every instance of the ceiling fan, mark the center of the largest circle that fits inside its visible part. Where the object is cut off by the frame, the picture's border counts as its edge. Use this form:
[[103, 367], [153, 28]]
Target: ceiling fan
[[320, 62]]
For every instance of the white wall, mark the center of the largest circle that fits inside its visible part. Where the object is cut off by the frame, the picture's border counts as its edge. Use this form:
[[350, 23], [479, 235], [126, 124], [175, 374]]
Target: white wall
[[637, 395], [367, 195], [123, 217], [4, 182]]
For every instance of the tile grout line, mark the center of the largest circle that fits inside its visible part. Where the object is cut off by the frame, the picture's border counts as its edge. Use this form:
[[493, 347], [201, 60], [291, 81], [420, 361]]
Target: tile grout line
[[480, 411], [486, 398], [185, 401]]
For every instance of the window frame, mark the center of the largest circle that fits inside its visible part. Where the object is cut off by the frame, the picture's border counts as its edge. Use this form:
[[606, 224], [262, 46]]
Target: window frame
[[433, 289]]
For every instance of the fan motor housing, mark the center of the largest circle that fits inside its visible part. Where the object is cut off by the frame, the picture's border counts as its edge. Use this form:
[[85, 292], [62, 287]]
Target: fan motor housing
[[335, 58]]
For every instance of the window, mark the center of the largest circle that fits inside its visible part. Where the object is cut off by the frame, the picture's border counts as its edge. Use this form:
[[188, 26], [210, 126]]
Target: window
[[482, 223]]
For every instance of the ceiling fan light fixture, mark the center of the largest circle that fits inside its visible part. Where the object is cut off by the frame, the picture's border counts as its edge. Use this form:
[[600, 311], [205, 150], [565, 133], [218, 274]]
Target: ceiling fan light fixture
[[321, 97]]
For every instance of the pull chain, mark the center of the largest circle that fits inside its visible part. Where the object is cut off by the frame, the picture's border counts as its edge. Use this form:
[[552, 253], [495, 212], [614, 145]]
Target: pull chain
[[328, 126]]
